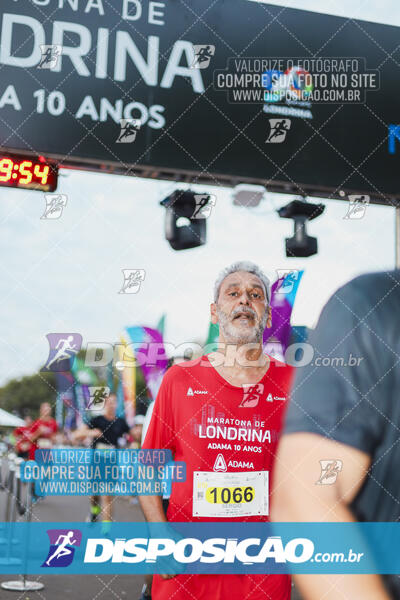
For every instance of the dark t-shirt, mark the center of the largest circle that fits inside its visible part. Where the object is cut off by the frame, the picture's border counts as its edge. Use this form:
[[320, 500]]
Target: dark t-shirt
[[112, 430], [357, 402]]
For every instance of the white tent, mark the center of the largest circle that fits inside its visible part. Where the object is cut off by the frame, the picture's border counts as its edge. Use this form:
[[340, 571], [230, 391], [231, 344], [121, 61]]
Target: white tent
[[9, 420]]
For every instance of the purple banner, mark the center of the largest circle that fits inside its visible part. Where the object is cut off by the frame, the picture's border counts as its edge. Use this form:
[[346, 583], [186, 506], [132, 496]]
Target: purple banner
[[283, 293], [153, 348]]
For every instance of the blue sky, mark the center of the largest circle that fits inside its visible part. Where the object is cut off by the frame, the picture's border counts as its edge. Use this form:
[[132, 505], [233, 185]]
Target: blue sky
[[64, 275]]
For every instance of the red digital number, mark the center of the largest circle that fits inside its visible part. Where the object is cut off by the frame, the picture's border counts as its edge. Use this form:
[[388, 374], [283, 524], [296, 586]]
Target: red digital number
[[42, 175], [17, 172], [6, 167], [24, 170]]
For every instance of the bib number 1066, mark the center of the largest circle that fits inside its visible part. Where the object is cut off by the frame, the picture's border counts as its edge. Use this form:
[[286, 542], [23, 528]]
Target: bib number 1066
[[226, 495]]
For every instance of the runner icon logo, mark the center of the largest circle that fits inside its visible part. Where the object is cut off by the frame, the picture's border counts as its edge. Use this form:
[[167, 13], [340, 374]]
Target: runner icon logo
[[55, 204], [287, 278], [220, 464], [97, 397], [278, 130], [50, 56], [62, 547], [129, 129], [202, 55], [329, 471], [204, 204], [132, 280], [357, 206], [63, 348], [251, 394]]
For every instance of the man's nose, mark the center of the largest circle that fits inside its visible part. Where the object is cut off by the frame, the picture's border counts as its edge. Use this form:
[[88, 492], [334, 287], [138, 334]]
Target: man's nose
[[244, 298]]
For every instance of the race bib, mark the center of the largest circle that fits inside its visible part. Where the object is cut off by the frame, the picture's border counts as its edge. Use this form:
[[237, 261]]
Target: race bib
[[228, 495]]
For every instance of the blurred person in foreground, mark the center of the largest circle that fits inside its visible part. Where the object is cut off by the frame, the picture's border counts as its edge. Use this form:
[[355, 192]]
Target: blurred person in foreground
[[43, 430], [348, 411], [106, 431], [213, 413]]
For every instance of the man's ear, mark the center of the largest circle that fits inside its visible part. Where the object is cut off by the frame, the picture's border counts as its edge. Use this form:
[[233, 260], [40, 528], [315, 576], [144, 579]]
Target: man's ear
[[213, 311], [269, 319]]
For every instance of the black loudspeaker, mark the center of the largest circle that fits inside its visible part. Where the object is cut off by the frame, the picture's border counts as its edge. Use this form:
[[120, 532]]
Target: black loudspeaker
[[305, 246], [301, 244], [182, 203]]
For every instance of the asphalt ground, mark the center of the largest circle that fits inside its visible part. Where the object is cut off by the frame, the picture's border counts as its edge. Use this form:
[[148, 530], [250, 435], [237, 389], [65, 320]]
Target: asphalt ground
[[80, 587]]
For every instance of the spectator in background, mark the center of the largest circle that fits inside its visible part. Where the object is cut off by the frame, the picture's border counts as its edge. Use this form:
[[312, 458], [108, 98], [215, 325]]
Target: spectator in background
[[23, 441], [106, 431], [136, 431], [43, 430]]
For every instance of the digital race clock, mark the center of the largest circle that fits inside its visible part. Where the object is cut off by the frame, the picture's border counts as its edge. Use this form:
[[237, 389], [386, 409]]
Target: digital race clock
[[28, 173]]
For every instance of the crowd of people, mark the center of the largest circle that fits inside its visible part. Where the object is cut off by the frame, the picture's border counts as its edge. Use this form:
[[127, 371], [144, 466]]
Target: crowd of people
[[252, 422], [102, 431]]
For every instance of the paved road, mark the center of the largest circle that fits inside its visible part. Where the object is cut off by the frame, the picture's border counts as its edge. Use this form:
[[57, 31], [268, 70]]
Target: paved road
[[81, 587], [78, 587]]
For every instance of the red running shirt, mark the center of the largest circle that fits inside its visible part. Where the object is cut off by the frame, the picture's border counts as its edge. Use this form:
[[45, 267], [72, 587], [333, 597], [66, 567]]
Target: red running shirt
[[48, 429], [24, 443], [227, 435]]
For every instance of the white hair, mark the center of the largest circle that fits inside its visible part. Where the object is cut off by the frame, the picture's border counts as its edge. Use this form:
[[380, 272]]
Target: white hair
[[249, 267]]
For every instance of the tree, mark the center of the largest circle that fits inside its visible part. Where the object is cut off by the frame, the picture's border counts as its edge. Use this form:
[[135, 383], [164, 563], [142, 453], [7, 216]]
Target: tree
[[27, 393]]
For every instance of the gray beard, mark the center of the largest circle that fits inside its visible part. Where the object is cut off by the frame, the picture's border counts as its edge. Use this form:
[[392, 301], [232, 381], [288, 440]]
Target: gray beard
[[233, 336]]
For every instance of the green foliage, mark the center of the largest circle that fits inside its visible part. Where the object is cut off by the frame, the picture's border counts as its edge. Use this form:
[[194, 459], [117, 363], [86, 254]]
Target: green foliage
[[27, 393]]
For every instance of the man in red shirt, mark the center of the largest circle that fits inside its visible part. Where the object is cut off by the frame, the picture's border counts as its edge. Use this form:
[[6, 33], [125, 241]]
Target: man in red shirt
[[222, 415], [42, 430]]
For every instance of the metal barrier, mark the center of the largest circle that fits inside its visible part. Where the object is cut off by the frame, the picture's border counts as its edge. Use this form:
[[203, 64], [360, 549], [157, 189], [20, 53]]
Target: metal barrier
[[12, 486]]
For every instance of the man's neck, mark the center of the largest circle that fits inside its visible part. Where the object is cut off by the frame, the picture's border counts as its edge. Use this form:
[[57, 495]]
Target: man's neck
[[240, 364]]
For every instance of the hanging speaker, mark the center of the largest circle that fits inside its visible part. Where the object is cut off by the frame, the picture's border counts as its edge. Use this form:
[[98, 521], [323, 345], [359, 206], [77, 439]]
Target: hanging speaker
[[185, 206]]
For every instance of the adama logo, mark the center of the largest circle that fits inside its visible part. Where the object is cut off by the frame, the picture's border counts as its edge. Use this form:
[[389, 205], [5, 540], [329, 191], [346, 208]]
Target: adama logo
[[240, 464], [220, 464], [271, 398], [191, 392]]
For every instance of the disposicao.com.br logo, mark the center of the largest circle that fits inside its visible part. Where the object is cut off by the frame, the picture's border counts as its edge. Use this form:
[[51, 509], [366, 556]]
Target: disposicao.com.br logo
[[205, 548], [192, 550]]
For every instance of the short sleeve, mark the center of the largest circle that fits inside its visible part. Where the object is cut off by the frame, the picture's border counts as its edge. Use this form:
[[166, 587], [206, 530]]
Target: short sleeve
[[161, 430], [338, 395]]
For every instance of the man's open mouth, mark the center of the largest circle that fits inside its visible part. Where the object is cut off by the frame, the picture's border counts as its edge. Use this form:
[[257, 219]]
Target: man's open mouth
[[243, 316]]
